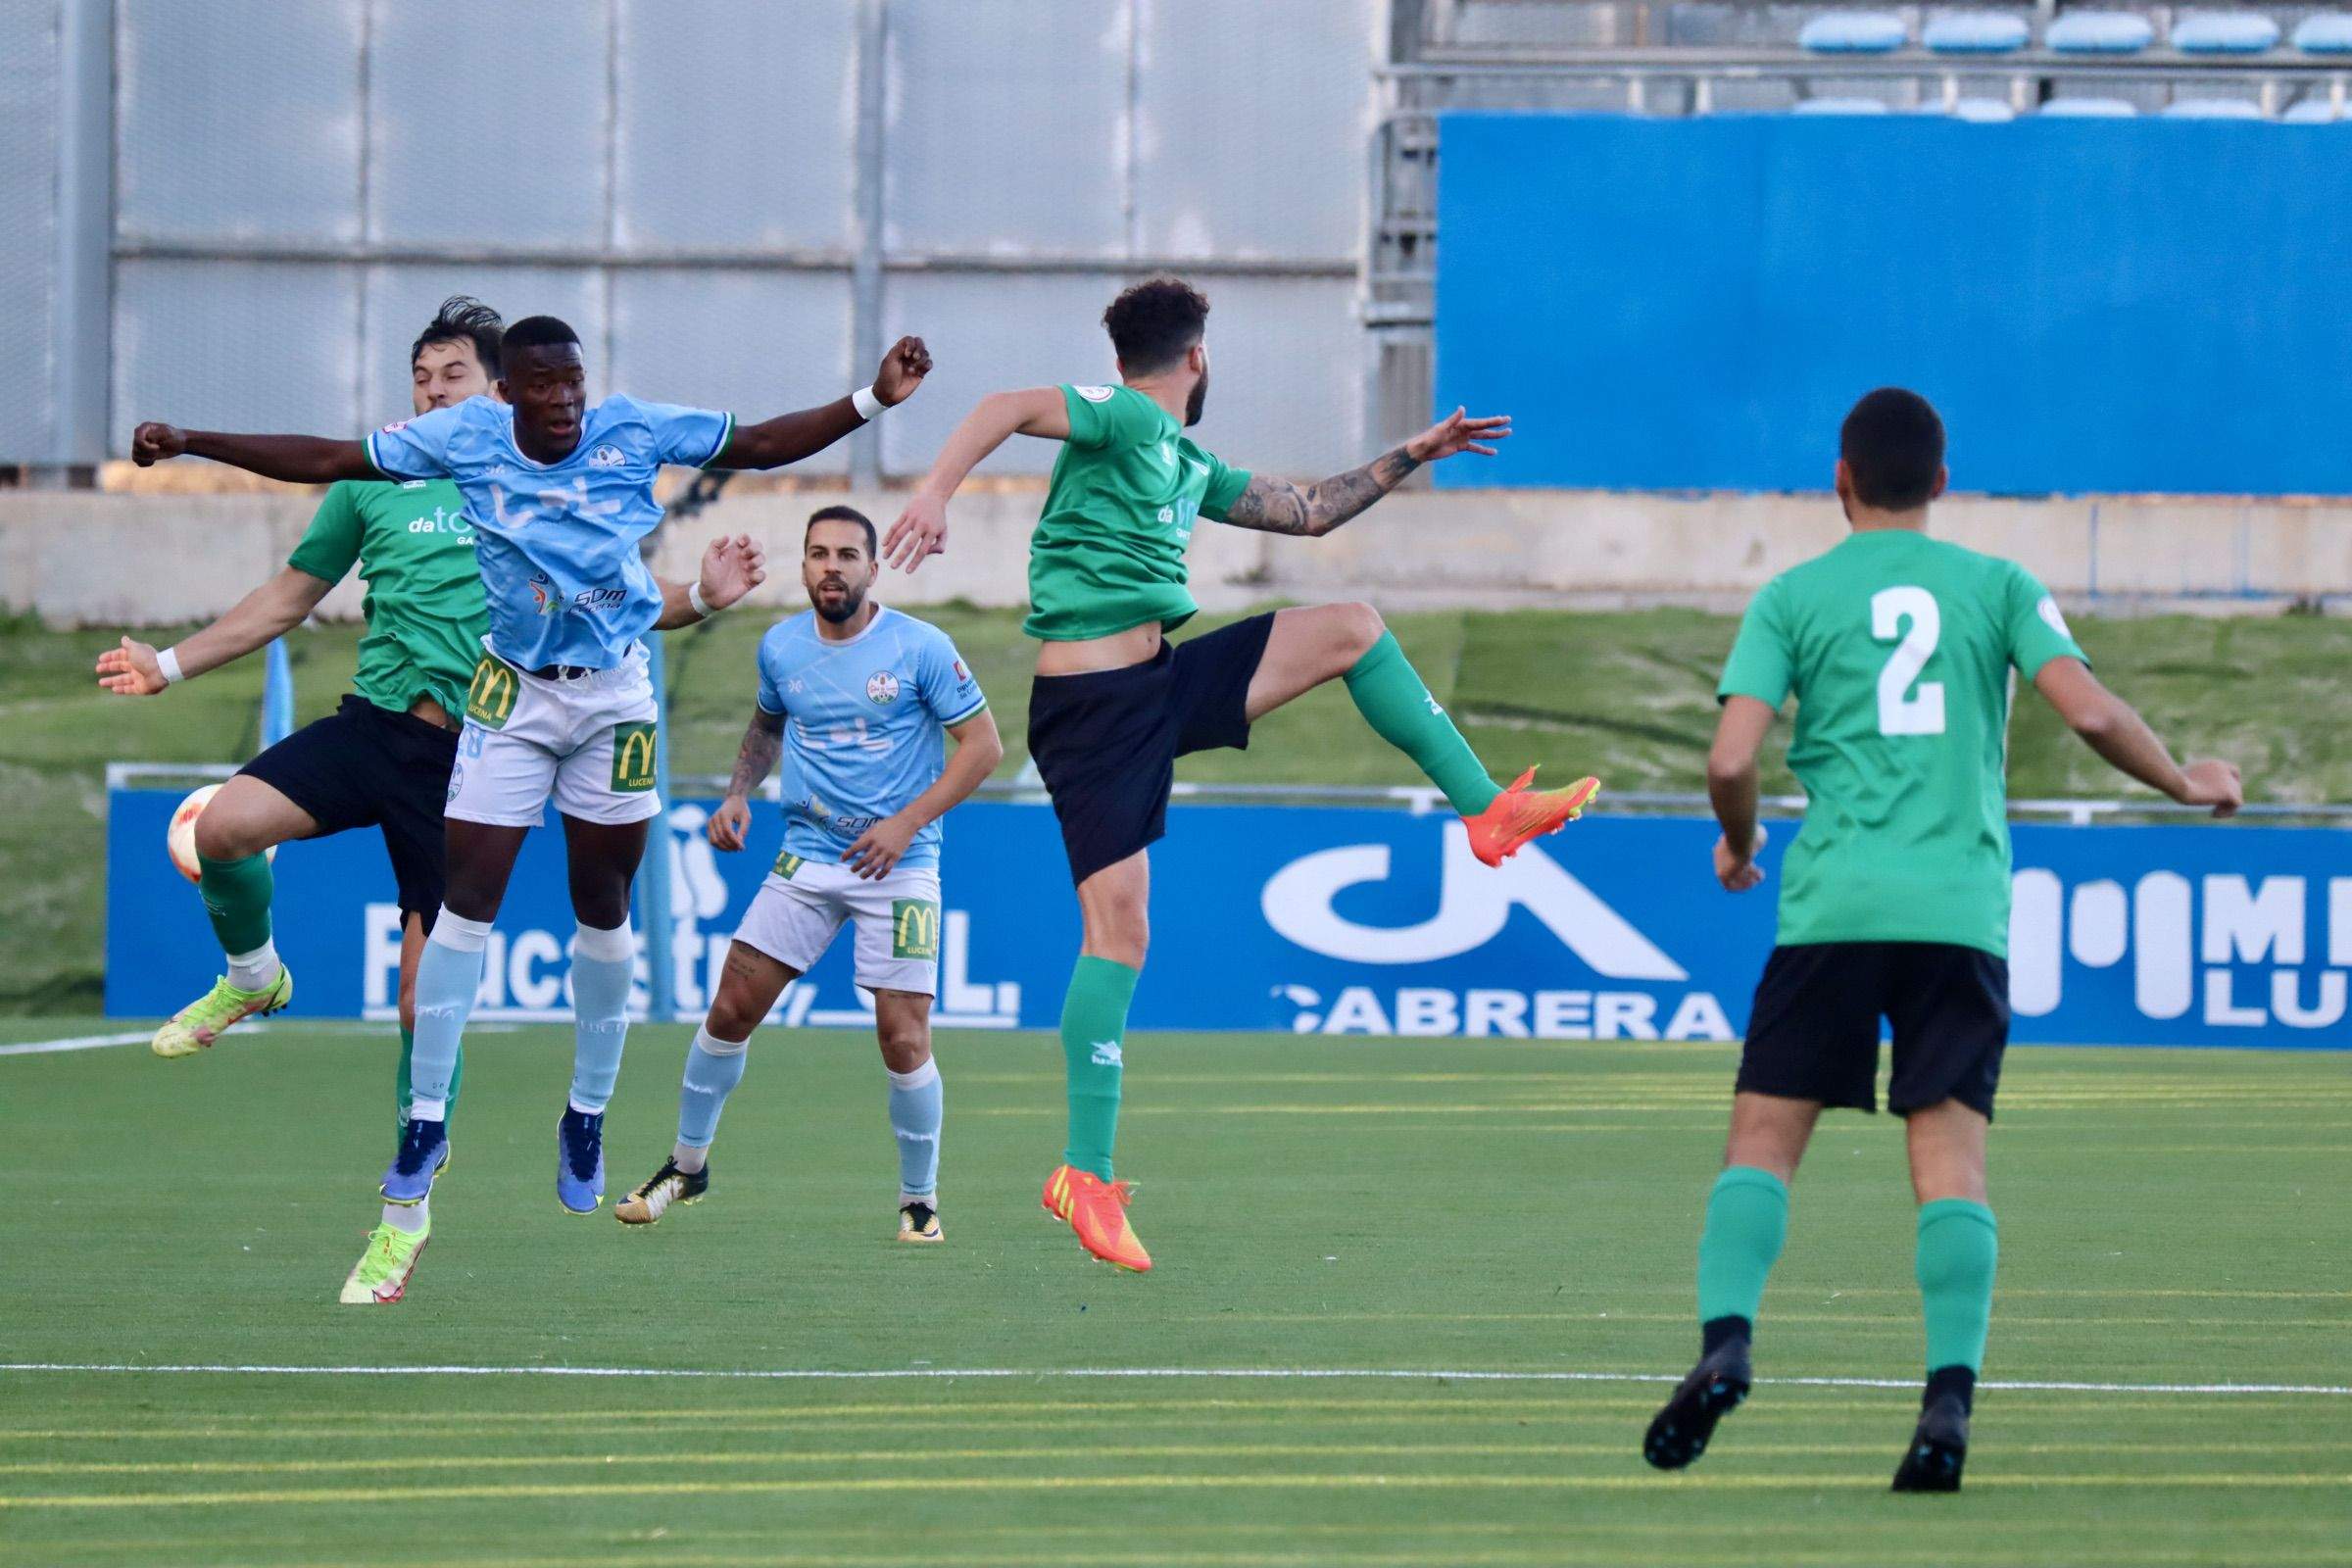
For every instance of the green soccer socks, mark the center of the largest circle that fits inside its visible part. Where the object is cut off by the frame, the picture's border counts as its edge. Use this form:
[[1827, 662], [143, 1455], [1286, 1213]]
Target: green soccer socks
[[1401, 711], [237, 895], [1094, 1028], [400, 1082], [1747, 1221], [1958, 1247]]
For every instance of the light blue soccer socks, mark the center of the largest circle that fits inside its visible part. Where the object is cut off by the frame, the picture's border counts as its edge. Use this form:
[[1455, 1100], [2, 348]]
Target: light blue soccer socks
[[915, 1106], [603, 963], [713, 1068], [448, 976]]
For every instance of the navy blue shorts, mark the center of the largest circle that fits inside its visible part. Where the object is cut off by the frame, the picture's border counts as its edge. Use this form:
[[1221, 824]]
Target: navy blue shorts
[[364, 767], [1814, 1032], [1107, 742]]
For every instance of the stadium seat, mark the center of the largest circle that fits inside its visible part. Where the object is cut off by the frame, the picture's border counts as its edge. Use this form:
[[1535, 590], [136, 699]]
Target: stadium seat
[[2328, 34], [2312, 111], [2224, 32], [1853, 33], [2089, 109], [1839, 106], [2101, 32], [2213, 109], [1982, 110], [1975, 32]]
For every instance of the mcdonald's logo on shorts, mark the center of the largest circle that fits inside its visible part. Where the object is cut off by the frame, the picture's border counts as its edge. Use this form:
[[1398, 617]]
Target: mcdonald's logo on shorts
[[914, 929], [633, 756], [788, 862], [490, 700]]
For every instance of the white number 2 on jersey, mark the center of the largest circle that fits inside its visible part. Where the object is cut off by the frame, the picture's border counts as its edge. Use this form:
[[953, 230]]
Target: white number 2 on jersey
[[1903, 709]]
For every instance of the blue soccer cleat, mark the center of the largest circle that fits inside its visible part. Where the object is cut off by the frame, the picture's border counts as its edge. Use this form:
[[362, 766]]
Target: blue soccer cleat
[[580, 1162], [423, 1155]]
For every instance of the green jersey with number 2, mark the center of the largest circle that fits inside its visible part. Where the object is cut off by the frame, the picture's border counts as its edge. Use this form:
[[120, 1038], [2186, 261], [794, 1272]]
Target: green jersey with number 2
[[1109, 550], [1898, 649]]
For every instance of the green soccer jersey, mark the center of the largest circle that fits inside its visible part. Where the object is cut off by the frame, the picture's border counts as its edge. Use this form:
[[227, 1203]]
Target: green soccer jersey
[[424, 608], [1898, 648], [1109, 550]]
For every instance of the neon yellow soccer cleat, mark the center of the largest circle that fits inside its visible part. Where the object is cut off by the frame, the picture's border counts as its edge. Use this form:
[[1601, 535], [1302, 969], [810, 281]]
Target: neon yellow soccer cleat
[[381, 1275], [206, 1019]]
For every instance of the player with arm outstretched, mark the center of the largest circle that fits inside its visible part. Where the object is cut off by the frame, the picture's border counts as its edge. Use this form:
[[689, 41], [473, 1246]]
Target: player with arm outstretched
[[1115, 704], [558, 494], [1894, 899], [857, 700]]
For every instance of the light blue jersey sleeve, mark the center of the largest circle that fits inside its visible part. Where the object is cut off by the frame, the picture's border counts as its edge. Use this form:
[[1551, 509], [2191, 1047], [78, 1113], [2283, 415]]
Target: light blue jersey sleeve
[[691, 439], [946, 683], [417, 447], [772, 694]]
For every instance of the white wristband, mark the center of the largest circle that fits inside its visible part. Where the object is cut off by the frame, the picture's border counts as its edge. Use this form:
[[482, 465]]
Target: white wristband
[[696, 601], [168, 662], [868, 406]]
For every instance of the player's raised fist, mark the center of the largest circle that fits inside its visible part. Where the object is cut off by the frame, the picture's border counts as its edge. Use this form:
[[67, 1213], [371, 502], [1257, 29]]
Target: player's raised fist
[[1456, 432], [902, 371], [921, 530], [132, 670], [2214, 783], [731, 569], [151, 442]]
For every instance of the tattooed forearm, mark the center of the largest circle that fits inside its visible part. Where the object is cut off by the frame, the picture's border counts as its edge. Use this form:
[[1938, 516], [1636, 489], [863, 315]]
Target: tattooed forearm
[[1278, 505], [762, 743]]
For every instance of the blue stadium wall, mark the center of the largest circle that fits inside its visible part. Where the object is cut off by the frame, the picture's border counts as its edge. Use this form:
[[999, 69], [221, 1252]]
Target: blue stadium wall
[[2097, 305]]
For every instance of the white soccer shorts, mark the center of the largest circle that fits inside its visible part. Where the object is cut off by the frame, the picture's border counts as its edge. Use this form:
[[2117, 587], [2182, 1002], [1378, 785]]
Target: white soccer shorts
[[796, 910], [587, 742]]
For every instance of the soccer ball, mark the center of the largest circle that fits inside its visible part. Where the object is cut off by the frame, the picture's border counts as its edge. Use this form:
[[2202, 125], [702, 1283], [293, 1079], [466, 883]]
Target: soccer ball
[[181, 838]]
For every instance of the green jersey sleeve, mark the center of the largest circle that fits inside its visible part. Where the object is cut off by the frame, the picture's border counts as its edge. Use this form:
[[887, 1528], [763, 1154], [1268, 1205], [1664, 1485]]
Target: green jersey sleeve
[[330, 545], [2037, 632], [1108, 416], [1763, 660], [1225, 487]]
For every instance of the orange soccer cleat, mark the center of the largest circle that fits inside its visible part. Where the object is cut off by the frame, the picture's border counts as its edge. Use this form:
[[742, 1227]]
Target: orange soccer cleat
[[1520, 814], [1096, 1210]]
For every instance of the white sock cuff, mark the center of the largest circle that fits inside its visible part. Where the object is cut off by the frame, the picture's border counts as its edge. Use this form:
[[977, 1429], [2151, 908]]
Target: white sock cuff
[[247, 960], [710, 1045], [593, 942], [922, 1078], [428, 1110], [459, 934]]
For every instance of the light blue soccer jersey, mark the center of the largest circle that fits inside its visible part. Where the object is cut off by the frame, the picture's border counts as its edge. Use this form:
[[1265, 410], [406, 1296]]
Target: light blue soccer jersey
[[865, 726], [558, 541]]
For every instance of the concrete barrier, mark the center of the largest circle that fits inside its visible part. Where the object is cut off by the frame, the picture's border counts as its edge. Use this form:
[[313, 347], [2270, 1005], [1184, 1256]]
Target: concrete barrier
[[146, 559]]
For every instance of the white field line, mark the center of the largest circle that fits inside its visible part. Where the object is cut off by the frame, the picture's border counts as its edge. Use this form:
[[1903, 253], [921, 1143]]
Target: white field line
[[253, 1030], [880, 1374], [42, 1048]]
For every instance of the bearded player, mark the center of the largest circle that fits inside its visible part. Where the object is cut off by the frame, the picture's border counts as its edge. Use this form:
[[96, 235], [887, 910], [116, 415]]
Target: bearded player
[[558, 494], [1115, 703]]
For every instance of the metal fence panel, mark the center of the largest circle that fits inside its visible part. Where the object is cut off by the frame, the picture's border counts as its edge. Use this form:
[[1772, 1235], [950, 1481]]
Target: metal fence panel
[[1250, 128], [737, 119], [236, 346], [400, 299], [488, 123], [238, 119], [755, 344], [1007, 127], [1285, 380], [28, 105]]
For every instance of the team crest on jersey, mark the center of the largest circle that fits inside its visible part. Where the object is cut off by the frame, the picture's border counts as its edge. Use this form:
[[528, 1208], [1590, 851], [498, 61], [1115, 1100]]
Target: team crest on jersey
[[605, 457], [544, 595], [1091, 393], [2049, 611], [883, 687]]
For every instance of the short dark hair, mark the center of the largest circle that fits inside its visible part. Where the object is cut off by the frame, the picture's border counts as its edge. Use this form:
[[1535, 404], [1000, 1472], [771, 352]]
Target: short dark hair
[[1893, 444], [462, 319], [534, 331], [1156, 322], [844, 515]]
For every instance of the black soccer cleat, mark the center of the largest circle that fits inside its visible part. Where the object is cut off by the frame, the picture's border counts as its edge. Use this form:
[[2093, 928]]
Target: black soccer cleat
[[1939, 1448], [667, 1185], [1712, 1391]]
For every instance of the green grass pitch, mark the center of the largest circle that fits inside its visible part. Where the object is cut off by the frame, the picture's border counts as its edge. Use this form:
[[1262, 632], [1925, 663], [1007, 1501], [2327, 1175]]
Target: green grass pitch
[[2168, 1218]]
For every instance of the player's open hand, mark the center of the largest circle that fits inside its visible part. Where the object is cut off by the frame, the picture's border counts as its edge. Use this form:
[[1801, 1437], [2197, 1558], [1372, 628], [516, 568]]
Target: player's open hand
[[729, 823], [879, 847], [2214, 783], [132, 670], [151, 442], [1457, 433], [731, 569], [1739, 872], [921, 530], [902, 371]]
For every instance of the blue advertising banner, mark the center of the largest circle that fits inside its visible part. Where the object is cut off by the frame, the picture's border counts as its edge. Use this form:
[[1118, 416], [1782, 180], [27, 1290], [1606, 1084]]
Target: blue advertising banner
[[1347, 922]]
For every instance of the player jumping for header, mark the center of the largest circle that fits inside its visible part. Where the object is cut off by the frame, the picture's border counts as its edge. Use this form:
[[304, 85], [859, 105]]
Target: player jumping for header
[[558, 494], [856, 698], [1115, 704], [1894, 899]]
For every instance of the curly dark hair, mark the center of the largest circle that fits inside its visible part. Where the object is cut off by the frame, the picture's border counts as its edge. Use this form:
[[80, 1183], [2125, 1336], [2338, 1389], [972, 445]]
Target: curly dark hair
[[462, 319], [1892, 443], [1156, 322]]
